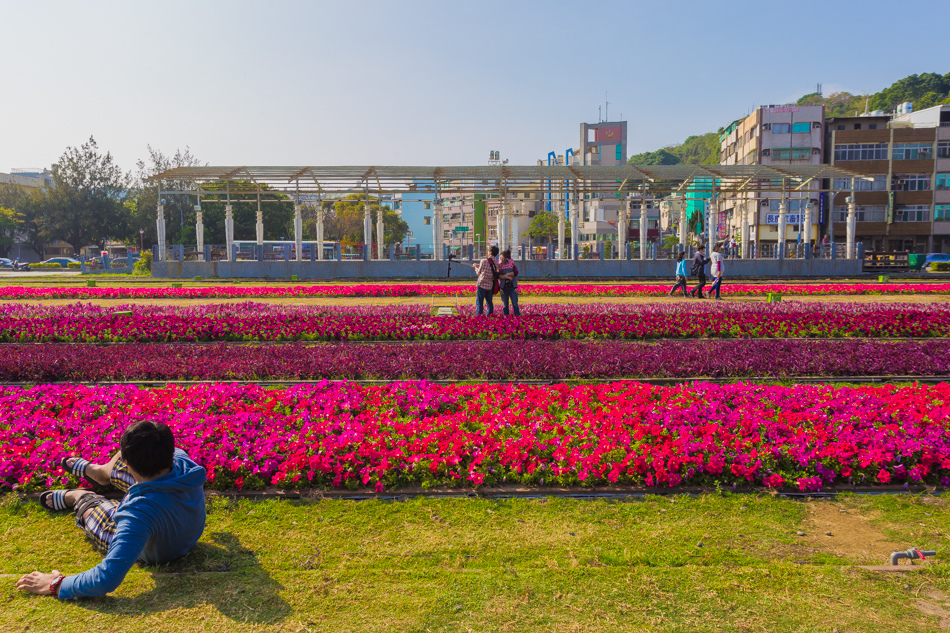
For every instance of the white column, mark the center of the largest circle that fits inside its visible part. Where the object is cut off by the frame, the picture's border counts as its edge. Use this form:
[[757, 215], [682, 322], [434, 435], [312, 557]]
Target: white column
[[643, 227], [437, 229], [260, 227], [744, 231], [575, 228], [160, 231], [622, 231], [320, 214], [561, 228], [367, 226], [780, 244], [298, 231], [229, 230], [503, 225], [852, 218], [380, 232], [712, 222], [200, 233], [806, 225], [683, 225]]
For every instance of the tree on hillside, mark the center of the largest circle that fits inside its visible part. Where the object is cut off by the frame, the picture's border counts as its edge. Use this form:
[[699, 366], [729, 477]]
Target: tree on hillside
[[659, 157], [86, 202], [544, 226], [695, 150], [922, 90]]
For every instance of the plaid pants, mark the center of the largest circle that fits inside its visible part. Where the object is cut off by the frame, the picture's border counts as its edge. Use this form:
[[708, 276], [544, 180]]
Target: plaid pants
[[99, 525]]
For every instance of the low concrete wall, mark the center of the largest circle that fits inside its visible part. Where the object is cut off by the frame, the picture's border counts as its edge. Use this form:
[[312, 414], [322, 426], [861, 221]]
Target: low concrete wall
[[530, 270]]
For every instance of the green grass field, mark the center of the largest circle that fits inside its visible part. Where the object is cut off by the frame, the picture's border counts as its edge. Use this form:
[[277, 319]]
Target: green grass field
[[706, 563]]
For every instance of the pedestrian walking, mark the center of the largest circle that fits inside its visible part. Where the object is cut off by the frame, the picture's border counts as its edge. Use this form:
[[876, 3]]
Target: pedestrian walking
[[681, 275], [715, 269], [487, 284], [508, 280], [699, 271]]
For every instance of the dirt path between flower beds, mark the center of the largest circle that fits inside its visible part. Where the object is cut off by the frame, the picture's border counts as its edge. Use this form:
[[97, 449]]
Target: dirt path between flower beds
[[852, 536], [466, 300]]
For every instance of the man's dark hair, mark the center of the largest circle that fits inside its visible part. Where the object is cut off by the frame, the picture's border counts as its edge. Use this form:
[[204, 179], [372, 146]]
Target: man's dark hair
[[494, 251], [148, 447]]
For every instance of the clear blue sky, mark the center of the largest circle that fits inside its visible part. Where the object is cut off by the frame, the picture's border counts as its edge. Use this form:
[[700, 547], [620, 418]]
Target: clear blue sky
[[426, 82]]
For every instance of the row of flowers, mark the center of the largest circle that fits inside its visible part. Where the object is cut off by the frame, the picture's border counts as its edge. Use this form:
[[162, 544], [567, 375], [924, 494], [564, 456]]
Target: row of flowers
[[441, 290], [474, 360], [262, 322], [344, 435]]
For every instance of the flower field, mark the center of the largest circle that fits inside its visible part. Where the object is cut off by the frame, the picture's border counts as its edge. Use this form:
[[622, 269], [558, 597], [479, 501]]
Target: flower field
[[475, 360], [87, 323], [419, 434], [445, 290]]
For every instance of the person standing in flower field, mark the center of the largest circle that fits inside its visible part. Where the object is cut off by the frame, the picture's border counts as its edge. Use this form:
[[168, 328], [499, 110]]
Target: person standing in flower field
[[681, 274], [699, 271], [508, 279], [160, 518], [715, 269], [487, 285]]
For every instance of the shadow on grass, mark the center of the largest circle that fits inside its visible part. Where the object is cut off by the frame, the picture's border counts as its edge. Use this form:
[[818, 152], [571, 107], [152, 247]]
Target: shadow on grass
[[225, 575]]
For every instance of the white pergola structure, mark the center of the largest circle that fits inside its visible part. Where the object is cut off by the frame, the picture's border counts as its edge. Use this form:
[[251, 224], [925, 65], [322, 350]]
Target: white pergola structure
[[571, 187]]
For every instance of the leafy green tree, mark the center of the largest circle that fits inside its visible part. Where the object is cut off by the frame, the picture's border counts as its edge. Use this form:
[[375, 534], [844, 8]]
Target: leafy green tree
[[544, 226], [277, 212], [659, 157], [142, 211], [345, 220], [9, 222], [695, 150], [86, 202]]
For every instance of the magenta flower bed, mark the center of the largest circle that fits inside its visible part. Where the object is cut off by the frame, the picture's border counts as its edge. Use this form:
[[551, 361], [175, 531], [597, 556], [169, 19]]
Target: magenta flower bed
[[426, 290], [262, 322], [416, 434], [468, 360]]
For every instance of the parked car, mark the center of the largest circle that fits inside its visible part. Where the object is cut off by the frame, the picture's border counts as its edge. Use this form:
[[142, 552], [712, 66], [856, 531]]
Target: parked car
[[120, 262], [935, 257], [6, 263], [62, 261]]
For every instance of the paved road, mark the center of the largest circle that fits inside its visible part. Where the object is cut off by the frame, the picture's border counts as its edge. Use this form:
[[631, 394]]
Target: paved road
[[7, 273]]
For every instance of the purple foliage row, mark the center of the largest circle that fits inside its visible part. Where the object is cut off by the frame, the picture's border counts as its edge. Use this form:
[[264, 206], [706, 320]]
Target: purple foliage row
[[470, 360]]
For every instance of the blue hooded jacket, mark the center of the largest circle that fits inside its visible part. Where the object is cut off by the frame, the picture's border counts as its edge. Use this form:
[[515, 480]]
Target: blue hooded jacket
[[157, 521]]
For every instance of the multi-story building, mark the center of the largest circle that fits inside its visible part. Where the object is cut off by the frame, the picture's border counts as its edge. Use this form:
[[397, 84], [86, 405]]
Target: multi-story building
[[773, 135], [904, 204], [602, 144]]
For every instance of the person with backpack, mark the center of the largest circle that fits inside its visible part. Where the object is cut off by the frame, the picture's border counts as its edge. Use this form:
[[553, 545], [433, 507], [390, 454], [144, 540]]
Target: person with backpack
[[487, 285], [699, 271], [681, 275], [715, 269]]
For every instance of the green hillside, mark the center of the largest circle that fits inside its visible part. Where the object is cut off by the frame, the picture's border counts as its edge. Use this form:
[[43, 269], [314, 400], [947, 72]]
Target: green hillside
[[924, 90]]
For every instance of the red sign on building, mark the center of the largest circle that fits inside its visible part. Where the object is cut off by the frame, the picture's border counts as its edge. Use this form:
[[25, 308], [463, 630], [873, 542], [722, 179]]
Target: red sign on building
[[608, 135]]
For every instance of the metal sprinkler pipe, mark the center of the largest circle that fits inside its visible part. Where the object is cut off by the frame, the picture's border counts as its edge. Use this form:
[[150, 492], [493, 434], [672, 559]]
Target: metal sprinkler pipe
[[913, 554]]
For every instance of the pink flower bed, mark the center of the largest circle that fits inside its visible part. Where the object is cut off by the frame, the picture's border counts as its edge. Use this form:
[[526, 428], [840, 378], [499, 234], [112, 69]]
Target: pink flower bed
[[32, 323], [433, 289], [345, 435]]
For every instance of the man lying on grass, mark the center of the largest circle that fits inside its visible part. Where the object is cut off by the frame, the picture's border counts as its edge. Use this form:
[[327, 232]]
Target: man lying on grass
[[160, 518]]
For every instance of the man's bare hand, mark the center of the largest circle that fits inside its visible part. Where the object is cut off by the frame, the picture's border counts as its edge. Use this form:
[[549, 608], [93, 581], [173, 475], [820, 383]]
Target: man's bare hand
[[36, 582]]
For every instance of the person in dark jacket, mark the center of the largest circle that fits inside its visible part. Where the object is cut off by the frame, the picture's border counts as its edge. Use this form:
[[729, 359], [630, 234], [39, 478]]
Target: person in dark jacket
[[508, 279], [699, 271], [160, 518]]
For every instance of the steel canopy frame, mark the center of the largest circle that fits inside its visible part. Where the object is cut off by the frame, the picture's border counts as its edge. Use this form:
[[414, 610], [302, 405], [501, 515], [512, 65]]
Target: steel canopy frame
[[329, 180]]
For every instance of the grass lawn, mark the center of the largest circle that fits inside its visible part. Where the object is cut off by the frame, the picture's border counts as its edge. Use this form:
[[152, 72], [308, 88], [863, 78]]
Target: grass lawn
[[707, 563]]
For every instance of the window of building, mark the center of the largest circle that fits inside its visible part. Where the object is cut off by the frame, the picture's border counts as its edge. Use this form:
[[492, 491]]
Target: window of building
[[620, 152], [872, 126], [866, 213], [781, 128], [801, 128], [912, 182], [942, 212], [861, 151], [913, 151], [792, 204], [839, 127], [912, 213], [792, 153], [943, 149], [857, 126], [943, 181], [878, 184], [427, 205]]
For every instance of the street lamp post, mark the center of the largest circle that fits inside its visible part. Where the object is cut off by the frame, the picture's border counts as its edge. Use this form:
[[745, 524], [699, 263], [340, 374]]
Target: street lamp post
[[141, 240]]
